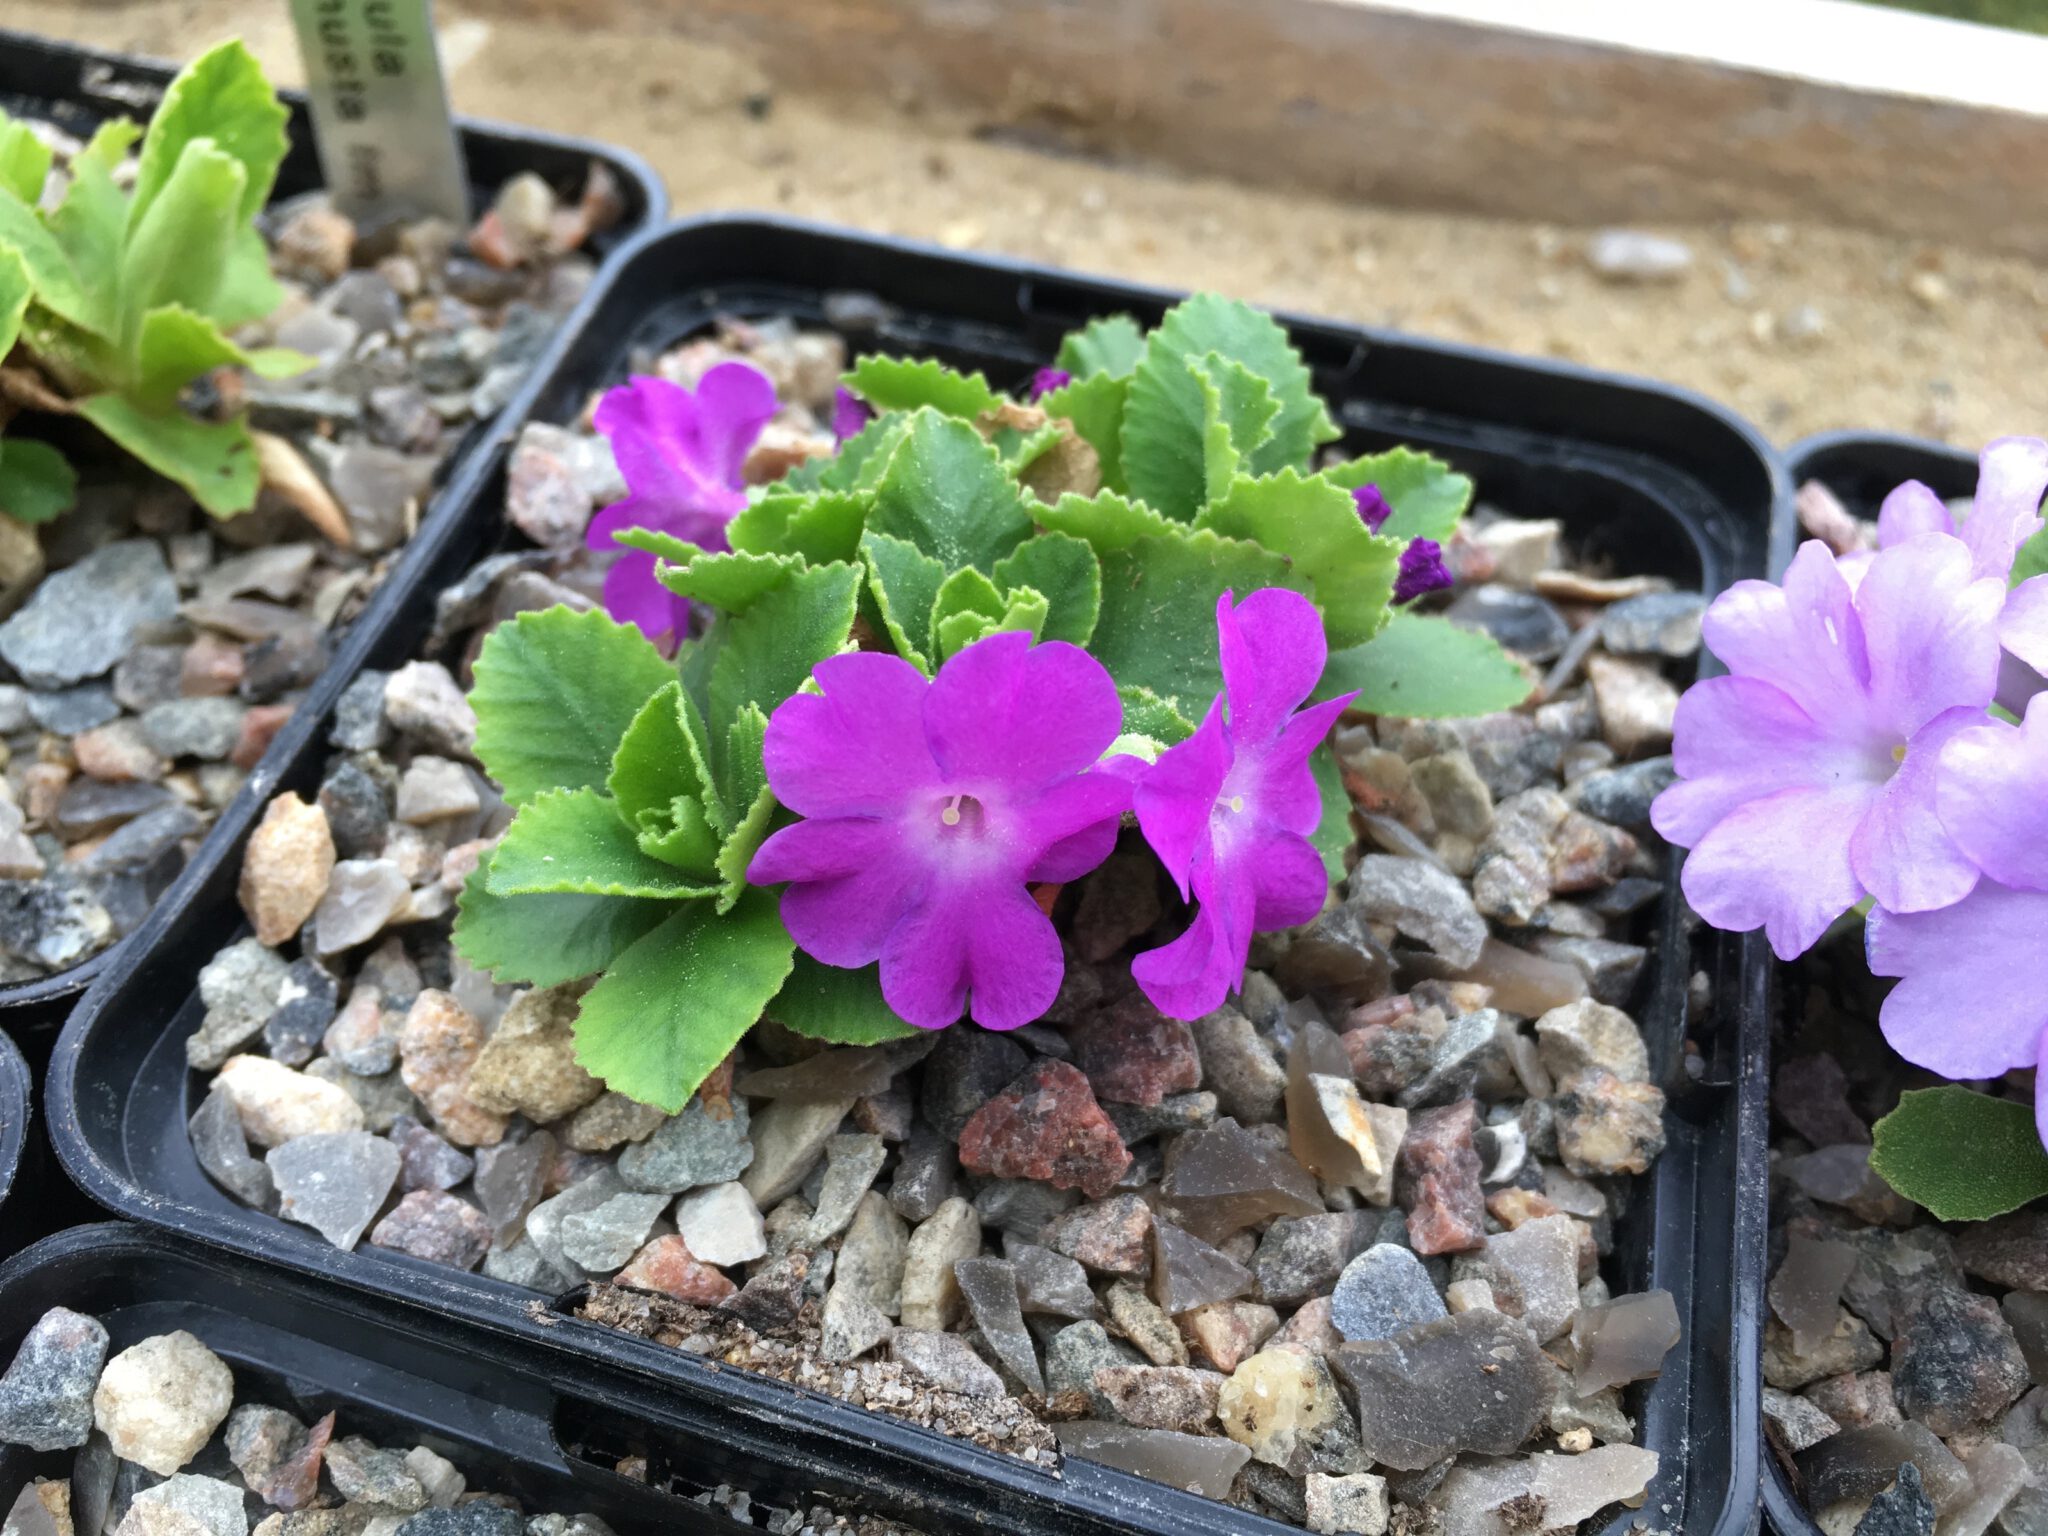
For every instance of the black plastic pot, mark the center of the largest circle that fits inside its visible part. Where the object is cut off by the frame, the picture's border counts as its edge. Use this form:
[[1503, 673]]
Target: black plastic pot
[[1651, 477], [1861, 468], [79, 88], [507, 1416], [16, 1123]]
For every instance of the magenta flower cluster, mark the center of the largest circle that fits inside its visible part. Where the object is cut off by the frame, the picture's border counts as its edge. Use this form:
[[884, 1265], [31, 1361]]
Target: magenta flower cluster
[[1850, 755], [931, 807]]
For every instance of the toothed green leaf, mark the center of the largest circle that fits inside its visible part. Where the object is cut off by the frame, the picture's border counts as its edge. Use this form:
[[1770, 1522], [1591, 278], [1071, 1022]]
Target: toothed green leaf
[[555, 692], [841, 1007], [1110, 346], [178, 250], [1427, 496], [946, 491], [765, 654], [1237, 418], [177, 346], [24, 160], [656, 785], [1065, 569], [1105, 522], [966, 591], [905, 581], [1315, 525], [214, 460], [739, 849], [669, 1009], [821, 527], [1147, 714], [544, 941], [1421, 665], [222, 97], [575, 842], [904, 384], [730, 581], [57, 285], [1095, 405], [1964, 1156]]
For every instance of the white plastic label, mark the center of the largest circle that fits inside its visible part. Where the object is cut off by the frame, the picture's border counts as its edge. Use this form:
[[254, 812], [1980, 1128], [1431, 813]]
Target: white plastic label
[[380, 109]]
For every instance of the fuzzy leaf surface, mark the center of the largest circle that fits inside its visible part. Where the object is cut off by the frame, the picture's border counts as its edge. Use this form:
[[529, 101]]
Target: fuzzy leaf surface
[[544, 941], [1963, 1156], [1066, 571], [1421, 665], [843, 1007], [904, 384], [947, 492], [1315, 525], [575, 842], [1111, 345], [1427, 495]]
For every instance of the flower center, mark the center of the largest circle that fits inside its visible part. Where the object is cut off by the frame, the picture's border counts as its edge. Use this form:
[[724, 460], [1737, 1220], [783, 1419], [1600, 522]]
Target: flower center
[[962, 812], [1899, 753]]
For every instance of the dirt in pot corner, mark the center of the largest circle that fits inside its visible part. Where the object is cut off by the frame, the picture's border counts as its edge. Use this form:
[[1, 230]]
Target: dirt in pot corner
[[151, 652], [1099, 1232]]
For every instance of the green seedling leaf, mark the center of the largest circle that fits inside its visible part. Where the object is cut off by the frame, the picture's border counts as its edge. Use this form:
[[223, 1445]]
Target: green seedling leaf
[[1020, 450], [1420, 665], [220, 97], [766, 653], [1964, 1156], [24, 160], [739, 849], [1164, 418], [1332, 837], [247, 291], [746, 741], [1315, 525], [91, 224], [176, 346], [841, 1007], [1237, 417], [16, 289], [214, 460], [1095, 405], [57, 285], [1109, 346], [905, 582], [966, 591], [821, 526], [730, 581], [178, 250], [1065, 569], [671, 1008], [859, 463], [555, 691], [1428, 498], [37, 482], [544, 941], [575, 842], [904, 384], [946, 491], [1105, 522], [658, 789], [1023, 609]]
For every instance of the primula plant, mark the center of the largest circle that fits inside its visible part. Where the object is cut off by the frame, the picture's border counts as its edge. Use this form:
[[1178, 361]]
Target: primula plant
[[839, 740], [113, 301], [1864, 755]]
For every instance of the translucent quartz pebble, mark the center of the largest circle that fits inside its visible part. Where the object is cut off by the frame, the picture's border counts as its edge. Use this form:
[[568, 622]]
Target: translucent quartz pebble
[[1328, 1129], [1623, 1340], [1204, 1464], [1475, 1381], [851, 1164], [1224, 1179], [1488, 1500], [1188, 1273], [1998, 1474], [990, 1286], [509, 1179], [849, 1072], [1524, 983], [1806, 1292], [1858, 1463], [2026, 1313], [1542, 1257], [334, 1181], [223, 1151], [1049, 1283]]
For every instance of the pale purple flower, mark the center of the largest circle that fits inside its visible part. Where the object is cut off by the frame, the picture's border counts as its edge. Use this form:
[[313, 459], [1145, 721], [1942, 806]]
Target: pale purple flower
[[1373, 508], [850, 414], [1972, 999], [1046, 380], [931, 805], [1422, 569], [681, 453], [1229, 810], [1806, 777], [2012, 474]]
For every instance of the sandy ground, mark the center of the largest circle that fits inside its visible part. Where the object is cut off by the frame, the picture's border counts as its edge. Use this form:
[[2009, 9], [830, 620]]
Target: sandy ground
[[1800, 328]]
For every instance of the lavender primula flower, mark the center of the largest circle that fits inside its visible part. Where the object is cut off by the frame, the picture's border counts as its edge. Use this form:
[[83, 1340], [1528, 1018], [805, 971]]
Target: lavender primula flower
[[1972, 999], [1046, 380], [930, 806], [2012, 474], [681, 453], [850, 414], [1229, 810], [1806, 777], [1373, 508], [1422, 569]]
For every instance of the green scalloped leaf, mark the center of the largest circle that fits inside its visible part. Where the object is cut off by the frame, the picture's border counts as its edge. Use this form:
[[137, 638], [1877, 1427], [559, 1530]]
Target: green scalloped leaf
[[555, 691], [657, 787], [1109, 346], [544, 941], [1105, 522], [726, 580], [214, 460], [765, 654], [905, 581], [1421, 665], [1315, 525], [841, 1007], [1065, 569], [1427, 495], [1964, 1156], [24, 160], [947, 491], [1095, 405], [574, 842], [58, 287], [739, 849], [179, 244], [37, 482], [221, 98], [1237, 418], [904, 384], [669, 1009], [966, 591], [821, 527], [175, 348]]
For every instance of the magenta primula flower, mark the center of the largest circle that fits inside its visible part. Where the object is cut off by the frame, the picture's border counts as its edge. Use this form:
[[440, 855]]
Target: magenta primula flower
[[1972, 998], [1373, 508], [1046, 380], [1421, 570], [2012, 474], [1230, 809], [850, 414], [681, 453], [930, 807], [1806, 777]]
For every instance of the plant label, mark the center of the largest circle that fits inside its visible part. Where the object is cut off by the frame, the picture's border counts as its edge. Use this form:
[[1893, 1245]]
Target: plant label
[[380, 109]]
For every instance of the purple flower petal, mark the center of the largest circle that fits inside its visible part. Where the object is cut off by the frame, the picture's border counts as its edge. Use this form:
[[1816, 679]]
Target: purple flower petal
[[1994, 796], [1272, 651], [1902, 853], [850, 414], [1022, 713], [1421, 570], [1192, 975], [1373, 508], [1912, 509], [1972, 999], [2012, 473], [2023, 625], [1287, 790], [1075, 824], [839, 909], [1046, 380], [1177, 797], [632, 595], [857, 747], [1930, 632], [1289, 884], [1737, 740], [982, 948], [1805, 637], [1780, 864]]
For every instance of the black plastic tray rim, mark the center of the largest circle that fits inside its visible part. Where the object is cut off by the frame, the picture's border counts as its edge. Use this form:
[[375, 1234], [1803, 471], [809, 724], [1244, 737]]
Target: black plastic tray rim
[[892, 1459], [58, 72], [16, 1115]]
